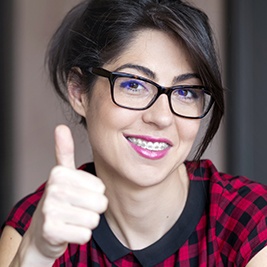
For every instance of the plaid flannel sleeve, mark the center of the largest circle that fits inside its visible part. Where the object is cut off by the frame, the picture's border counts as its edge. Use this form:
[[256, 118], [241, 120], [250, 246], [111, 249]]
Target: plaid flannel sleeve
[[20, 216]]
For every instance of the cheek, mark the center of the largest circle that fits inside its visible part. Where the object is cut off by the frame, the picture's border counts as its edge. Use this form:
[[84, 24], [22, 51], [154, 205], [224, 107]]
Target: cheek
[[188, 130], [105, 120]]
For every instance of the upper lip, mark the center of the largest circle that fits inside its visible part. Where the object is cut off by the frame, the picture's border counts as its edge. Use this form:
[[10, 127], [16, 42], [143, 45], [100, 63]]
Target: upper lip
[[151, 139]]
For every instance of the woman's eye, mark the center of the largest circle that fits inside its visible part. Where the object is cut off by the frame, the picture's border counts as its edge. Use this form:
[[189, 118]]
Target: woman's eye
[[133, 86], [186, 93]]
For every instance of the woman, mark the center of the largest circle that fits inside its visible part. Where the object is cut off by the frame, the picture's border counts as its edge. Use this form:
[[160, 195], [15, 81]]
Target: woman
[[141, 75]]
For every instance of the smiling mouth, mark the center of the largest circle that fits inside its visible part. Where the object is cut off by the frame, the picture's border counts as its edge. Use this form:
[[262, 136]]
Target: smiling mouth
[[153, 146]]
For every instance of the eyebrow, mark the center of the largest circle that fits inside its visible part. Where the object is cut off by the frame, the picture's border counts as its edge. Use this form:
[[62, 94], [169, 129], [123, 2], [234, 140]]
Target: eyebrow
[[185, 76], [150, 74]]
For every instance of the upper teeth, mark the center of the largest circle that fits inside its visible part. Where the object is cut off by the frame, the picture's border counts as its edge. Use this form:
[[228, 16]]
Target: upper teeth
[[155, 146]]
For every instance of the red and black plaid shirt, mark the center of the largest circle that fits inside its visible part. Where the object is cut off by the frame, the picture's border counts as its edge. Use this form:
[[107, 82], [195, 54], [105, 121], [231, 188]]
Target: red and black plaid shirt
[[223, 224]]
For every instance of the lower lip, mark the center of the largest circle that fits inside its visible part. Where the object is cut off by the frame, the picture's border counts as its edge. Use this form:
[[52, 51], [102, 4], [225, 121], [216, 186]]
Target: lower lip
[[149, 154]]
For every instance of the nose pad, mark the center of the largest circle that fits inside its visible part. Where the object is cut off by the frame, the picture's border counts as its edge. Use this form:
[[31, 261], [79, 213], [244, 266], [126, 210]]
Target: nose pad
[[159, 113]]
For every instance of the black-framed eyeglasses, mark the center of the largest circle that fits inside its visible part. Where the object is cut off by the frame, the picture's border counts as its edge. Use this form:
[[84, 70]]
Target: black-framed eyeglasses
[[137, 93]]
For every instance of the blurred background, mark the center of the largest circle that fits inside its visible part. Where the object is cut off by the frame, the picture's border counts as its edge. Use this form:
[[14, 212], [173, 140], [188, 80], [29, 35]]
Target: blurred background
[[29, 110]]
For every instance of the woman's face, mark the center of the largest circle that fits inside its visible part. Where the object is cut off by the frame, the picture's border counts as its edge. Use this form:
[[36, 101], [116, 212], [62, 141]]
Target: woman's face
[[123, 141]]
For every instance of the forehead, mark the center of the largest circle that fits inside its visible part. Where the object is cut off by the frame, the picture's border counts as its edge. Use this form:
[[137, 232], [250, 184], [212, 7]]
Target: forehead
[[156, 50]]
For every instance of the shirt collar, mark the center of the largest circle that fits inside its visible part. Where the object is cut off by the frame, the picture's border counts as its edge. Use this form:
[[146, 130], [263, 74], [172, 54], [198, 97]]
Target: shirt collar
[[169, 243]]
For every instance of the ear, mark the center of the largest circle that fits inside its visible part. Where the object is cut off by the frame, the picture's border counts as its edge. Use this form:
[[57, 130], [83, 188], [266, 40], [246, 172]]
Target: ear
[[75, 91]]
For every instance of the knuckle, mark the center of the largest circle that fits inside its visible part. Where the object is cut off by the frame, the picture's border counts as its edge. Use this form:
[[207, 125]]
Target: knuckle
[[102, 187], [85, 236], [94, 220], [100, 203], [50, 215], [57, 174], [104, 204], [55, 192]]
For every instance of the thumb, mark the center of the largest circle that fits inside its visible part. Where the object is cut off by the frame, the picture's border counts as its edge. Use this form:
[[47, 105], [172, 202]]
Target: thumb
[[64, 147]]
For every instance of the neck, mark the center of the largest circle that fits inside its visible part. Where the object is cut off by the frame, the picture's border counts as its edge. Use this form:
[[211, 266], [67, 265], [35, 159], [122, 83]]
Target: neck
[[140, 216]]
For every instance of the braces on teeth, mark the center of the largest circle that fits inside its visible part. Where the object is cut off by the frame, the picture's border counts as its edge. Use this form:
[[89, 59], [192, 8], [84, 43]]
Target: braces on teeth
[[155, 146]]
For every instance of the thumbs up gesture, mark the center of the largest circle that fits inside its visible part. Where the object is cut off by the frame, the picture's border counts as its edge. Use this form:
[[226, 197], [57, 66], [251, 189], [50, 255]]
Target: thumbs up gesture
[[70, 207]]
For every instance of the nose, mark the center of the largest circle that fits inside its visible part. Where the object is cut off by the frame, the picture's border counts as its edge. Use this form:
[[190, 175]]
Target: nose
[[159, 113]]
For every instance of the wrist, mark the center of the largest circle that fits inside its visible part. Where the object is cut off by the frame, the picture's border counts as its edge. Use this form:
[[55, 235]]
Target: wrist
[[28, 255]]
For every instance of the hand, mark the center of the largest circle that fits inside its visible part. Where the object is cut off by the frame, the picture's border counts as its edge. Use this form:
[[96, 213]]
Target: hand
[[71, 205]]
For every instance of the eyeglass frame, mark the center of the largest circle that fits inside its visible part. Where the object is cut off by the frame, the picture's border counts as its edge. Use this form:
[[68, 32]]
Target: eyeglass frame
[[113, 75]]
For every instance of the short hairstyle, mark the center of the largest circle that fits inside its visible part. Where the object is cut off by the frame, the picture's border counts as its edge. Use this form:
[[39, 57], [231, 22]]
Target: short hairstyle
[[95, 32]]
